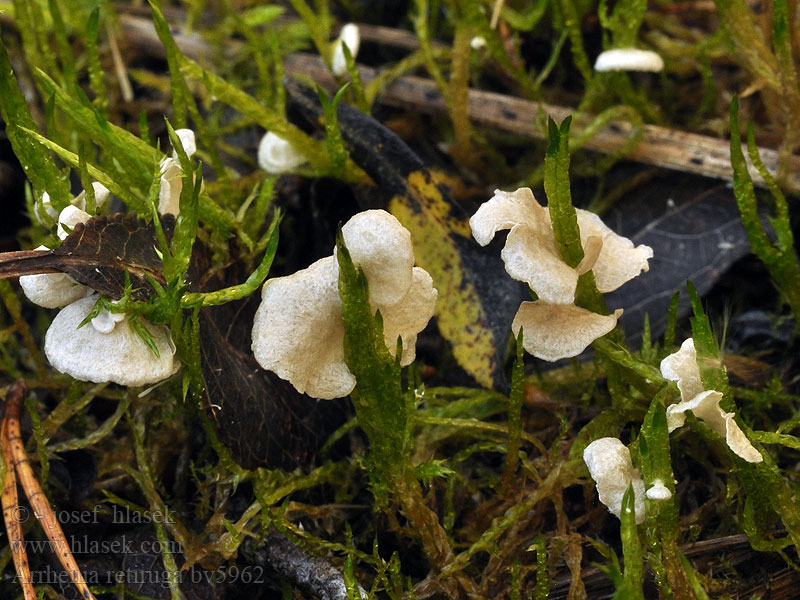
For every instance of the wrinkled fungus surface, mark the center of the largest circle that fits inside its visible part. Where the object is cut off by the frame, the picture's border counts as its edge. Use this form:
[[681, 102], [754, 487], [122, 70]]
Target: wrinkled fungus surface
[[610, 465], [298, 331], [116, 353], [682, 367], [553, 327]]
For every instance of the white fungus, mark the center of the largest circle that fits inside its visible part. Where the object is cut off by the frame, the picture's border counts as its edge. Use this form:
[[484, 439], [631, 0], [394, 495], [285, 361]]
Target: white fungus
[[117, 355], [69, 218], [169, 192], [101, 195], [53, 290], [277, 156], [610, 465], [298, 331], [478, 42], [107, 348], [105, 321], [629, 59], [553, 327], [350, 36], [682, 367], [555, 331], [658, 491]]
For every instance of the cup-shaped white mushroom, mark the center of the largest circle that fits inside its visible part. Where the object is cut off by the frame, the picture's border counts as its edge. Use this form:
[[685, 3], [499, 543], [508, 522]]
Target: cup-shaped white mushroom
[[629, 59], [169, 192], [52, 290], [110, 351], [277, 156], [351, 37], [682, 367], [610, 465], [298, 331]]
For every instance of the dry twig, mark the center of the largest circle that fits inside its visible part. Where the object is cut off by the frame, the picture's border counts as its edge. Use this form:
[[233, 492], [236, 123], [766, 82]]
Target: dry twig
[[16, 458], [659, 146]]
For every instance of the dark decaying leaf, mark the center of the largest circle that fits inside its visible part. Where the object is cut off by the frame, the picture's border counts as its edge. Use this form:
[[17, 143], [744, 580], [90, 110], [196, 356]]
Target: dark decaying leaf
[[477, 300], [260, 417], [692, 224], [98, 253]]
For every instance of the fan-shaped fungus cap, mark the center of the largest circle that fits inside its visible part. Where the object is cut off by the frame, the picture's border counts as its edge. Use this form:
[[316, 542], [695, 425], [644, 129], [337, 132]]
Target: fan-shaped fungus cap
[[52, 290], [610, 465], [298, 331], [552, 327], [658, 491], [119, 356], [555, 331], [629, 59], [277, 156], [169, 192], [531, 254], [351, 36], [682, 367]]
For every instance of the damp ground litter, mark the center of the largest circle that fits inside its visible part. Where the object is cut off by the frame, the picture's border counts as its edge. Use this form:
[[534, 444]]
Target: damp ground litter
[[400, 299]]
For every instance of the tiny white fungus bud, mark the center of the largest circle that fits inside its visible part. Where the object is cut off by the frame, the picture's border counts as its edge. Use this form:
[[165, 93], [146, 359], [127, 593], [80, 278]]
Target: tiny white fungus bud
[[101, 195], [187, 139], [46, 206], [478, 42], [171, 185], [629, 59], [277, 156], [658, 491], [351, 36], [105, 320]]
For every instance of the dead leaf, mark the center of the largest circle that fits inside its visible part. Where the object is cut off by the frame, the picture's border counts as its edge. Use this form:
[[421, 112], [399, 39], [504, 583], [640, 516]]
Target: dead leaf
[[693, 226], [98, 253], [477, 299], [260, 417]]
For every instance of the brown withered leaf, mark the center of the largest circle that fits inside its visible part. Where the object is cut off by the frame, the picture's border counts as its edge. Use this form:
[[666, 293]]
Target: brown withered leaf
[[98, 253], [260, 417]]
